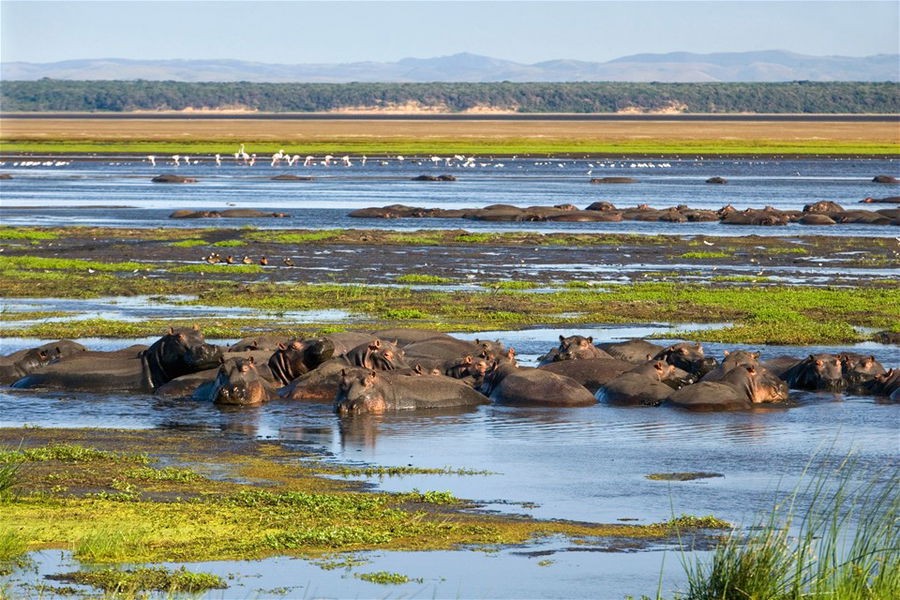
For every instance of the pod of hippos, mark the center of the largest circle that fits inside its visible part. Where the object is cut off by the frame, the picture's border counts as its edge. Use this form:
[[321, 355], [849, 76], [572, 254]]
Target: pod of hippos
[[413, 369], [817, 213]]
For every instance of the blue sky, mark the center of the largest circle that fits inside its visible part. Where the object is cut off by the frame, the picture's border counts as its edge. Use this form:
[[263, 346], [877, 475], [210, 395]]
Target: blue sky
[[299, 32]]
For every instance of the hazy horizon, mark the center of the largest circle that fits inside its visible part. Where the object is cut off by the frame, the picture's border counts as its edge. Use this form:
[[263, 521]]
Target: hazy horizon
[[523, 32]]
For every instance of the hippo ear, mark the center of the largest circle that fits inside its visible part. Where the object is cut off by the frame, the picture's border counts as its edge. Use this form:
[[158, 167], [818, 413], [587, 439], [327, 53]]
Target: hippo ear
[[170, 331], [726, 353], [250, 360], [477, 342], [254, 344], [751, 369], [418, 369], [376, 343], [590, 339], [196, 327], [682, 350], [221, 360], [755, 354], [818, 362], [281, 346], [343, 372], [468, 359], [561, 338]]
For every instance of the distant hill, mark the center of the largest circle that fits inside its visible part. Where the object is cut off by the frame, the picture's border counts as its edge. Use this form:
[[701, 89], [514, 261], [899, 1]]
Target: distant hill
[[763, 66]]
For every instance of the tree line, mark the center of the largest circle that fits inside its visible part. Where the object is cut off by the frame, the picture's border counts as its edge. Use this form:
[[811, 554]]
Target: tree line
[[606, 97]]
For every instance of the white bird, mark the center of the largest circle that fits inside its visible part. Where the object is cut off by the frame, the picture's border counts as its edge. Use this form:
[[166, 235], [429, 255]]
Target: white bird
[[364, 160], [252, 160], [218, 160], [152, 160], [400, 158], [328, 159], [276, 158], [346, 161], [293, 159], [308, 160], [177, 159], [708, 243]]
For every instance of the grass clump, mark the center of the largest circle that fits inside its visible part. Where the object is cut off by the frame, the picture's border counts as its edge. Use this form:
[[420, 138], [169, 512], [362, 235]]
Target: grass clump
[[229, 243], [385, 578], [109, 544], [417, 278], [404, 314], [705, 255], [682, 476], [70, 453], [293, 238], [379, 471], [9, 476], [146, 579], [512, 285], [34, 262], [844, 545], [165, 474], [217, 269], [22, 233], [12, 545], [788, 250], [187, 243]]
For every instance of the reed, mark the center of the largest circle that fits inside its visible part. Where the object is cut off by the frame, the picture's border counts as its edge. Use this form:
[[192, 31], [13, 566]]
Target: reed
[[845, 544]]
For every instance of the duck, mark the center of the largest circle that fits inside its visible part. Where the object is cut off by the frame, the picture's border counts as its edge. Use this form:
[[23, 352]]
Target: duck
[[263, 261]]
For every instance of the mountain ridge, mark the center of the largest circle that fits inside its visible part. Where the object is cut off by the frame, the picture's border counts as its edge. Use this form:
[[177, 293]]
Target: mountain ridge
[[672, 67]]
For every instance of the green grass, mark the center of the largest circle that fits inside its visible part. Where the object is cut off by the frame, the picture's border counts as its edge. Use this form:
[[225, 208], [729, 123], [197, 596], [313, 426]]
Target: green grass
[[217, 269], [12, 545], [843, 546], [229, 243], [790, 250], [19, 233], [127, 583], [276, 237], [188, 243], [33, 262], [110, 544], [164, 474], [69, 453], [418, 146], [512, 285], [416, 278], [403, 314]]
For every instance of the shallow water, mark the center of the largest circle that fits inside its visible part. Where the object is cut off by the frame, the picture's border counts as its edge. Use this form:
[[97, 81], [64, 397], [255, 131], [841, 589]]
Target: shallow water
[[83, 192], [586, 464]]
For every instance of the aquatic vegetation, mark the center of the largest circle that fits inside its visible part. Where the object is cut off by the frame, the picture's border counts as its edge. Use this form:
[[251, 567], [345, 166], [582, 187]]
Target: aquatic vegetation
[[512, 285], [229, 243], [32, 315], [682, 476], [9, 475], [12, 544], [145, 579], [385, 578], [418, 278], [264, 500], [403, 314], [844, 545], [369, 471], [788, 250], [69, 453], [218, 269]]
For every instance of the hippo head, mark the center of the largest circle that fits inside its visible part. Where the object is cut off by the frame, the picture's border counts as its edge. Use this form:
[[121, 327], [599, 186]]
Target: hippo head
[[827, 371], [180, 351], [757, 384], [494, 348], [238, 383], [299, 357], [859, 370], [34, 359], [738, 358], [360, 394], [688, 358], [575, 347]]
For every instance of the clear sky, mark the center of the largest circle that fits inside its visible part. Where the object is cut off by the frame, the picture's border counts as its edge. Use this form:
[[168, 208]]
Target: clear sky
[[301, 32]]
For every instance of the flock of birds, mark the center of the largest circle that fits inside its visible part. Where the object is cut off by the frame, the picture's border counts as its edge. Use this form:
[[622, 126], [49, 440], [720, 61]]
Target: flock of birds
[[215, 258], [242, 157]]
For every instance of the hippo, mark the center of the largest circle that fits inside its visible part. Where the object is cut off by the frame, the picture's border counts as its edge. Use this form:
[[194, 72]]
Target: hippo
[[816, 372], [858, 370], [469, 369], [322, 383], [172, 178], [887, 200], [688, 358], [866, 217], [739, 389], [699, 215], [179, 352], [237, 383], [289, 177], [887, 337], [613, 180], [602, 207], [717, 180], [507, 384], [730, 361], [375, 354], [498, 212], [752, 216], [346, 341], [816, 219], [886, 384], [378, 392], [572, 348], [885, 179], [641, 386], [592, 373], [434, 178], [25, 362], [823, 207], [297, 358], [634, 350], [259, 342], [409, 335]]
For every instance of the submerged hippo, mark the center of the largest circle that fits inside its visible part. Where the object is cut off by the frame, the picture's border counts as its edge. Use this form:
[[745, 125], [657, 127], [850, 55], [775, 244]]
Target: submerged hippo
[[817, 372], [378, 355], [378, 392], [298, 358], [858, 370], [25, 362], [739, 389], [237, 383], [574, 347], [642, 386], [687, 357], [507, 384], [592, 373], [635, 350], [179, 352]]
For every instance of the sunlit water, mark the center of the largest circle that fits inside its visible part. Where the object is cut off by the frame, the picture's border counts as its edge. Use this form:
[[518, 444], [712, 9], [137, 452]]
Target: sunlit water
[[85, 192]]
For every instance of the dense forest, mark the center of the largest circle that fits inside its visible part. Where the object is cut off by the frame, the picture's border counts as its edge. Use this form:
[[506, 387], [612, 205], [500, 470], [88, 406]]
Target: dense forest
[[118, 96]]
